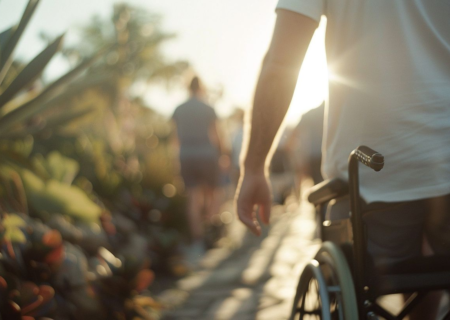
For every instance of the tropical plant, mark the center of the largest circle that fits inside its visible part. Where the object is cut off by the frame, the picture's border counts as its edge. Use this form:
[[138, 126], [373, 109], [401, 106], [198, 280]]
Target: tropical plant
[[30, 253], [138, 55], [21, 105], [90, 163], [113, 142], [17, 110]]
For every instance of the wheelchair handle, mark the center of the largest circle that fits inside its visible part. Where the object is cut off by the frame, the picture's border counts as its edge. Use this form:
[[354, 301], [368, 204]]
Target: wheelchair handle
[[369, 157], [373, 160]]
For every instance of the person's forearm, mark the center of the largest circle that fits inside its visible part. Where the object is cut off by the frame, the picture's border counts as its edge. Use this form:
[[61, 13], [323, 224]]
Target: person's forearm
[[273, 96], [276, 84]]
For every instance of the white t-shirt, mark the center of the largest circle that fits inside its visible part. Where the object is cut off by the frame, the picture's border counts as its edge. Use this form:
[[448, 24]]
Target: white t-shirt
[[390, 91]]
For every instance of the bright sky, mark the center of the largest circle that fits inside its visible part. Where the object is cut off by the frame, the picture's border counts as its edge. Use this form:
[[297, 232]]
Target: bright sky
[[224, 41]]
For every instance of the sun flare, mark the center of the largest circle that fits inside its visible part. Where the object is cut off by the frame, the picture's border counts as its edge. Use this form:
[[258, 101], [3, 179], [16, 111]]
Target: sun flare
[[312, 84]]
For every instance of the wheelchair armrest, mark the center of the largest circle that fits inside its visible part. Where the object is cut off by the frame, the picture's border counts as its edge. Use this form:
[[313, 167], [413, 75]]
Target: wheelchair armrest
[[327, 190]]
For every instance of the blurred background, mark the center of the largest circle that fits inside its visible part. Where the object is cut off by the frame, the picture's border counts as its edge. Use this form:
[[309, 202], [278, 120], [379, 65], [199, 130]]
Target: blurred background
[[92, 200]]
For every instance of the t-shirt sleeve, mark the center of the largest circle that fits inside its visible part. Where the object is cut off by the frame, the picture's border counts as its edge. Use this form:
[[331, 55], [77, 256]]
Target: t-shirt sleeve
[[310, 8]]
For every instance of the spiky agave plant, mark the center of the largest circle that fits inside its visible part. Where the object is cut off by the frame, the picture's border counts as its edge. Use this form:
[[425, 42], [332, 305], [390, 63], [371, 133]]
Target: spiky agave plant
[[14, 113], [20, 298], [20, 107]]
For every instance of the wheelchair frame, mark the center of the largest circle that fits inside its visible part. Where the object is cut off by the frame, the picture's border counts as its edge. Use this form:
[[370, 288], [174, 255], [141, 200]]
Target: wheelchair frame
[[346, 295]]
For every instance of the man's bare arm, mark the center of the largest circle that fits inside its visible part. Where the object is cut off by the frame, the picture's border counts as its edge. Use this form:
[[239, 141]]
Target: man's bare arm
[[276, 84], [274, 91]]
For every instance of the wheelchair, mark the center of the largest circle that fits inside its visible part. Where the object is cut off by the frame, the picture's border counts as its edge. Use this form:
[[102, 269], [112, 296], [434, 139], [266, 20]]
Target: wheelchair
[[341, 282]]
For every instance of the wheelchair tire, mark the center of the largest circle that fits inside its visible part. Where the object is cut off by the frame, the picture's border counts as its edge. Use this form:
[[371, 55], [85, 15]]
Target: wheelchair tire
[[325, 290]]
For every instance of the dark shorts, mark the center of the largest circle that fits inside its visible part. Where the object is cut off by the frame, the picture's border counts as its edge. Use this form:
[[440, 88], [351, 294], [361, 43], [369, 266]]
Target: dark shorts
[[200, 171], [396, 230]]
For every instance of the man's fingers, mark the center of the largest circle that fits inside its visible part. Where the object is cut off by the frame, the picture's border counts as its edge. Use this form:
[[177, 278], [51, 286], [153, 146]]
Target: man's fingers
[[264, 212], [253, 190], [246, 215], [252, 224]]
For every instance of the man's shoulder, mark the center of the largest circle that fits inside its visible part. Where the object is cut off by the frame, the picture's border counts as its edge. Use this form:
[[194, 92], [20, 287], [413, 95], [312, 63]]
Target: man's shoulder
[[192, 107], [201, 104], [182, 106], [194, 103], [185, 106], [197, 105]]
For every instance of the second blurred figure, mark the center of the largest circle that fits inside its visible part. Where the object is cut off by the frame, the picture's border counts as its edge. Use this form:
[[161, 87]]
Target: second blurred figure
[[200, 148]]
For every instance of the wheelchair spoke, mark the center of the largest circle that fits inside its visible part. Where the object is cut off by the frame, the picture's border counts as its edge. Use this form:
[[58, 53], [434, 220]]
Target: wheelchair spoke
[[311, 306], [335, 307]]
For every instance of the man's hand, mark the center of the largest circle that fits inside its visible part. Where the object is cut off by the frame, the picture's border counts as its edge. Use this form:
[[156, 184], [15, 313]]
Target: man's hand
[[273, 94], [253, 192]]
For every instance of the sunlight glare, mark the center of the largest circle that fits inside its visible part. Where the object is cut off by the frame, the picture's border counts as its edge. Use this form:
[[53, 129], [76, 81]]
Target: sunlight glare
[[312, 84], [335, 77]]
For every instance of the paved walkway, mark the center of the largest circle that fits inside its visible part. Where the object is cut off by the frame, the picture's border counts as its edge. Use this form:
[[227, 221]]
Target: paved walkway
[[253, 278], [248, 277]]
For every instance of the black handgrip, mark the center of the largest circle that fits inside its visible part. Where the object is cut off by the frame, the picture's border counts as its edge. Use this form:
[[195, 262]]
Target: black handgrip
[[369, 157]]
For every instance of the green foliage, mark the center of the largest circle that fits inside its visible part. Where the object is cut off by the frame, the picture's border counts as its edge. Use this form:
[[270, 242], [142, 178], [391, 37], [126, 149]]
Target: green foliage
[[15, 114], [44, 99], [4, 37], [74, 150], [89, 161], [55, 194], [12, 38], [56, 167], [12, 224], [17, 124], [31, 72], [52, 196], [138, 55], [12, 193], [20, 148]]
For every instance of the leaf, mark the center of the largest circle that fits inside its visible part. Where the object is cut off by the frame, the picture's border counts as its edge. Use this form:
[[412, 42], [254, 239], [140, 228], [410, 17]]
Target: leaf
[[13, 191], [66, 118], [54, 122], [15, 153], [12, 220], [31, 181], [55, 197], [4, 37], [39, 103], [57, 167], [31, 72], [6, 57], [14, 234]]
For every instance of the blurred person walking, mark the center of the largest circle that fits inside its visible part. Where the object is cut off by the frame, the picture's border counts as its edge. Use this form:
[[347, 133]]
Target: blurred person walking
[[199, 152], [389, 88]]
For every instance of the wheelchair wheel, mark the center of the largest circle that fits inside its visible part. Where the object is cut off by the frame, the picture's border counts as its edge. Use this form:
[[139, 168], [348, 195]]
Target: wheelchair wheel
[[311, 299], [325, 290]]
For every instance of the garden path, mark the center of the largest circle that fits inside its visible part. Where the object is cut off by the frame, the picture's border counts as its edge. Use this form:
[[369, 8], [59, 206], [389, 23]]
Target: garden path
[[248, 277]]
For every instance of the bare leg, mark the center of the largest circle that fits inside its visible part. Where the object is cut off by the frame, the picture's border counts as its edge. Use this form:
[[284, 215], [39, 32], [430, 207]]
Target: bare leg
[[194, 213], [212, 201], [196, 249]]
